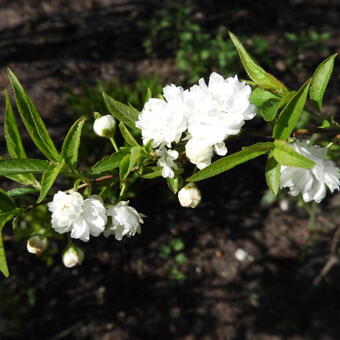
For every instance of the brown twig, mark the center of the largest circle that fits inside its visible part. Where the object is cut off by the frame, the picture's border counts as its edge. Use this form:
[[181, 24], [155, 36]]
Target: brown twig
[[332, 259]]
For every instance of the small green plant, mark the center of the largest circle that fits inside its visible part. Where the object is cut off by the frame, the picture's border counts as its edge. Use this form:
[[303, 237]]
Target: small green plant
[[173, 252], [196, 51]]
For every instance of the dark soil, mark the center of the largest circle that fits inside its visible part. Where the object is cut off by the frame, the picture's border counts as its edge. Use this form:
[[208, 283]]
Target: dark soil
[[126, 290]]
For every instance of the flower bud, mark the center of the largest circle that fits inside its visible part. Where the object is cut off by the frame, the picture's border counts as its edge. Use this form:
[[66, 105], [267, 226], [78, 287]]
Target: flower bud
[[72, 256], [189, 196], [199, 153], [105, 126], [37, 245]]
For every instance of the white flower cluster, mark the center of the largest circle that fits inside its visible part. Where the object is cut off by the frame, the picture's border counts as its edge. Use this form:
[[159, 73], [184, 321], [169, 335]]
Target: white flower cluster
[[71, 213], [311, 183], [209, 113]]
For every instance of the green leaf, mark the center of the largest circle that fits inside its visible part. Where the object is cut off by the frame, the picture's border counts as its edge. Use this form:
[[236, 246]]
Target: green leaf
[[69, 150], [21, 191], [291, 113], [32, 120], [122, 112], [108, 163], [48, 179], [135, 156], [175, 183], [152, 173], [259, 96], [320, 80], [6, 203], [286, 155], [124, 167], [255, 71], [14, 143], [4, 218], [269, 109], [273, 173], [127, 135], [12, 136], [15, 166], [229, 162]]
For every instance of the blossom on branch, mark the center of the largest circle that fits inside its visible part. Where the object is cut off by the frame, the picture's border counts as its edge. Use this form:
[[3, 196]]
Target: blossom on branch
[[163, 120], [311, 183], [126, 221], [71, 213], [166, 161]]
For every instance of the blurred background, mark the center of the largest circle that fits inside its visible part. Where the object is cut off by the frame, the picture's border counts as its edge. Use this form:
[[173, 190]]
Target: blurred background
[[183, 277]]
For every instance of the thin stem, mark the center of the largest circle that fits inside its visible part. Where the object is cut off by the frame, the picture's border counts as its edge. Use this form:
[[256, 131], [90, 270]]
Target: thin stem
[[113, 142]]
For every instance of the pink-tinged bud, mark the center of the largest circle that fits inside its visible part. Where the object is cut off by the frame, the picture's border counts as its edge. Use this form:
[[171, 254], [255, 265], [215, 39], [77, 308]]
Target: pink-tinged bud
[[37, 245], [189, 196]]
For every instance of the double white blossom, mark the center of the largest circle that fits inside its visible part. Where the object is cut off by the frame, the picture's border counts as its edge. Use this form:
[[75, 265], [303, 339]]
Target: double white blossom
[[311, 183], [208, 112], [71, 213], [126, 221], [163, 120], [217, 110]]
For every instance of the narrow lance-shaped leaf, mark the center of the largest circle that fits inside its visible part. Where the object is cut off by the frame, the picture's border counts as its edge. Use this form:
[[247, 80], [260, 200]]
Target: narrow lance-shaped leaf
[[291, 113], [48, 179], [14, 143], [15, 166], [69, 150], [12, 136], [286, 155], [273, 174], [4, 218], [108, 163], [32, 120], [255, 71], [122, 112], [127, 135], [21, 191], [229, 162], [320, 80]]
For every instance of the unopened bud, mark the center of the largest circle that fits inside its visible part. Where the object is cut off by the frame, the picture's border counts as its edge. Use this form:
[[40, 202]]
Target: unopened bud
[[72, 256], [189, 196], [105, 126], [37, 245], [199, 153]]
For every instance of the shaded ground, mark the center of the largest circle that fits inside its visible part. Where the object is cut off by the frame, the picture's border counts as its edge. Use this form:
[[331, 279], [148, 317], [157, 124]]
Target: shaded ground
[[125, 290]]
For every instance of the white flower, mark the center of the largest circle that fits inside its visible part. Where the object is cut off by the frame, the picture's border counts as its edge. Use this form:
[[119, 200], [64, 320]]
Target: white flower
[[104, 126], [73, 256], [189, 196], [126, 221], [70, 212], [166, 161], [311, 182], [199, 152], [219, 109], [37, 245], [163, 121]]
